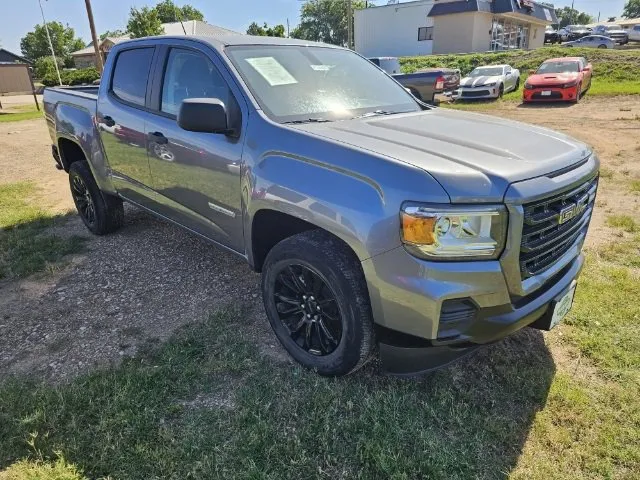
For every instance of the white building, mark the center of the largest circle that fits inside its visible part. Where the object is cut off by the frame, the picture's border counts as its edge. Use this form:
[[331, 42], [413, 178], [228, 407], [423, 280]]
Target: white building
[[426, 27]]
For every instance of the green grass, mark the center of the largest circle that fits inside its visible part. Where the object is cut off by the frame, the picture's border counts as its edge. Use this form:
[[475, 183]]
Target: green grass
[[38, 470], [23, 112], [624, 222], [25, 247], [618, 65], [626, 252], [207, 404], [635, 185]]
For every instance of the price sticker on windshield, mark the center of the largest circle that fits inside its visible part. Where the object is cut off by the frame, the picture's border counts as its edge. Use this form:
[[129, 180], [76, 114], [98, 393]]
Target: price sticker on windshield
[[272, 71]]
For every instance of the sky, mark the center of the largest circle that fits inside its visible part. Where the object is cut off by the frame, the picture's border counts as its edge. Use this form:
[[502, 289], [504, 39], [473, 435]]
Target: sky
[[20, 16]]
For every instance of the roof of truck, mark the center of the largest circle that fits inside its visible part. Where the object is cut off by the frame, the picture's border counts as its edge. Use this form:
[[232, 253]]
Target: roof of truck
[[221, 41]]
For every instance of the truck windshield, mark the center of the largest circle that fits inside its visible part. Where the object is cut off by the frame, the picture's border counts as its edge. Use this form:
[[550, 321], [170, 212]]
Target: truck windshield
[[299, 83], [486, 72]]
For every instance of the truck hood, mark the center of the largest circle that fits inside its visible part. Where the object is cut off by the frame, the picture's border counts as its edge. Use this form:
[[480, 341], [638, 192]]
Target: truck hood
[[474, 157]]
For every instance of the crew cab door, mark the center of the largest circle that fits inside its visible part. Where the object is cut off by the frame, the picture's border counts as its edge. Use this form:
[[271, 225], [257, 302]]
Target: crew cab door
[[121, 120], [196, 174]]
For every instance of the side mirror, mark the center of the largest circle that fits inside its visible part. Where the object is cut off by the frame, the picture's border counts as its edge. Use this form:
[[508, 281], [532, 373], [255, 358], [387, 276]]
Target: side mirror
[[532, 72], [587, 68], [208, 115]]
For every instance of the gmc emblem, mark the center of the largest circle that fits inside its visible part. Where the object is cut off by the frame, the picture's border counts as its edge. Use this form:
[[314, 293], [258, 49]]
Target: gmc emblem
[[573, 210]]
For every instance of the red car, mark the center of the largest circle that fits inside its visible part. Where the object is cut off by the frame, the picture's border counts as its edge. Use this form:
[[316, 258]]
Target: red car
[[558, 80]]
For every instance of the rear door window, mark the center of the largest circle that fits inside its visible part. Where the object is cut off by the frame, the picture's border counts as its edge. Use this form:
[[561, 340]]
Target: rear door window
[[131, 73]]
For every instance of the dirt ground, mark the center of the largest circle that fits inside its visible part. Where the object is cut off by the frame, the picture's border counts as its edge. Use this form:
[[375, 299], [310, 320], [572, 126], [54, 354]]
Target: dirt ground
[[140, 284]]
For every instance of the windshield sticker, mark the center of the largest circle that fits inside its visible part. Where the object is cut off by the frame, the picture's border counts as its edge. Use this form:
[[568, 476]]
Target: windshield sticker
[[272, 71]]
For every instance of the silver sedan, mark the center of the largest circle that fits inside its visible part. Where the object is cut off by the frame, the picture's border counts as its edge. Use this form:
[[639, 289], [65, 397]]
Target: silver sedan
[[592, 41]]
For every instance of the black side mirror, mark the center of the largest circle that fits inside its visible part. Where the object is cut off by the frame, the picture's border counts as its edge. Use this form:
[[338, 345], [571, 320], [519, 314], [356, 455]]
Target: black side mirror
[[207, 115]]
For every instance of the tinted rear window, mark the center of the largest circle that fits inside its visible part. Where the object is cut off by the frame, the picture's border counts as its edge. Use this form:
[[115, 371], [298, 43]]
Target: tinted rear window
[[130, 75]]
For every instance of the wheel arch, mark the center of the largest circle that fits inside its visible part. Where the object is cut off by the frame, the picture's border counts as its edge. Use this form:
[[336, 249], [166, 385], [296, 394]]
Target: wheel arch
[[269, 227]]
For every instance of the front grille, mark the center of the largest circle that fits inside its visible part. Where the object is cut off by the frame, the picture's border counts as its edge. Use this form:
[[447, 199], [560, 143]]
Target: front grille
[[544, 238], [539, 96], [477, 93]]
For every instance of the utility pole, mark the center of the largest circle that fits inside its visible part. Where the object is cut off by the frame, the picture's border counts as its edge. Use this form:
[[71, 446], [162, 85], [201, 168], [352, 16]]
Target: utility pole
[[349, 24], [288, 36], [53, 53], [94, 37]]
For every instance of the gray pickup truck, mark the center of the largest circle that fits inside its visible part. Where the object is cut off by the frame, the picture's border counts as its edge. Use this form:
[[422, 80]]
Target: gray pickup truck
[[374, 218]]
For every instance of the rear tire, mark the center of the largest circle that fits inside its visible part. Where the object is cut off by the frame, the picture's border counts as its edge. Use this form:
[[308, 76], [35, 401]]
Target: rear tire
[[317, 303], [100, 212], [602, 46], [517, 87]]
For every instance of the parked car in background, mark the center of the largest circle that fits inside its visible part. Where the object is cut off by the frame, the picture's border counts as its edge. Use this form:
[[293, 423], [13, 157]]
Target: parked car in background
[[551, 35], [424, 84], [374, 219], [489, 82], [573, 32], [634, 33], [592, 41], [614, 32], [558, 79]]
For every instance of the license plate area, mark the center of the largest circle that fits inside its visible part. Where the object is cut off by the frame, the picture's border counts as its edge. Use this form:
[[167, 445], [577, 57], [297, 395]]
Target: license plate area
[[558, 309], [546, 93]]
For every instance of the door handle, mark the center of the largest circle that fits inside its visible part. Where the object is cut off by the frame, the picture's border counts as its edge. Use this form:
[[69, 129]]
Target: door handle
[[158, 137], [108, 121]]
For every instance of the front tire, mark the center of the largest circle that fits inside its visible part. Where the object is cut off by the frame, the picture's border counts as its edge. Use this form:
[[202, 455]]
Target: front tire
[[101, 213], [501, 91], [317, 303]]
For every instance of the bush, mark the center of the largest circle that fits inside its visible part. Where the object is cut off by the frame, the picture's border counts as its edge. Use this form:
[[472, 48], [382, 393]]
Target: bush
[[45, 66], [72, 77]]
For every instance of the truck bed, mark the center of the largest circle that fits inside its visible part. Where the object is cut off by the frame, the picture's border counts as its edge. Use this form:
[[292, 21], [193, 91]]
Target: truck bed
[[84, 96]]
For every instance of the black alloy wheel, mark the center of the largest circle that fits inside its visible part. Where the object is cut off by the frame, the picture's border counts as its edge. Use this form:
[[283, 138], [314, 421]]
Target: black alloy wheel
[[308, 309], [316, 300], [100, 212], [82, 199]]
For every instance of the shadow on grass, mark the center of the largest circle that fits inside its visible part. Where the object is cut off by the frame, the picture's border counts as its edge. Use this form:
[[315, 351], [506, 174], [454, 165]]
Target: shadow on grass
[[25, 245], [207, 404]]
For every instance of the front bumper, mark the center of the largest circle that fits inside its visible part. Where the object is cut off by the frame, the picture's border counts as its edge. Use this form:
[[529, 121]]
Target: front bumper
[[557, 94], [430, 313], [473, 93]]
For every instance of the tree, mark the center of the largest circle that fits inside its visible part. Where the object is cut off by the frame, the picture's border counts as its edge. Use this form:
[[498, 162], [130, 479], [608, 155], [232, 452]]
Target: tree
[[325, 21], [169, 12], [571, 16], [631, 9], [265, 31], [112, 33], [144, 22], [35, 44]]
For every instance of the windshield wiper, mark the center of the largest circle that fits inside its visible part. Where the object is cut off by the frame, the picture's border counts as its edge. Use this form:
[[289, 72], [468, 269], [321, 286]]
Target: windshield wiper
[[375, 113], [309, 120]]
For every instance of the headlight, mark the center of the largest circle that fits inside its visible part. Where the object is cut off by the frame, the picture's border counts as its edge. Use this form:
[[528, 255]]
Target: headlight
[[492, 84], [570, 84], [454, 233], [528, 86]]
